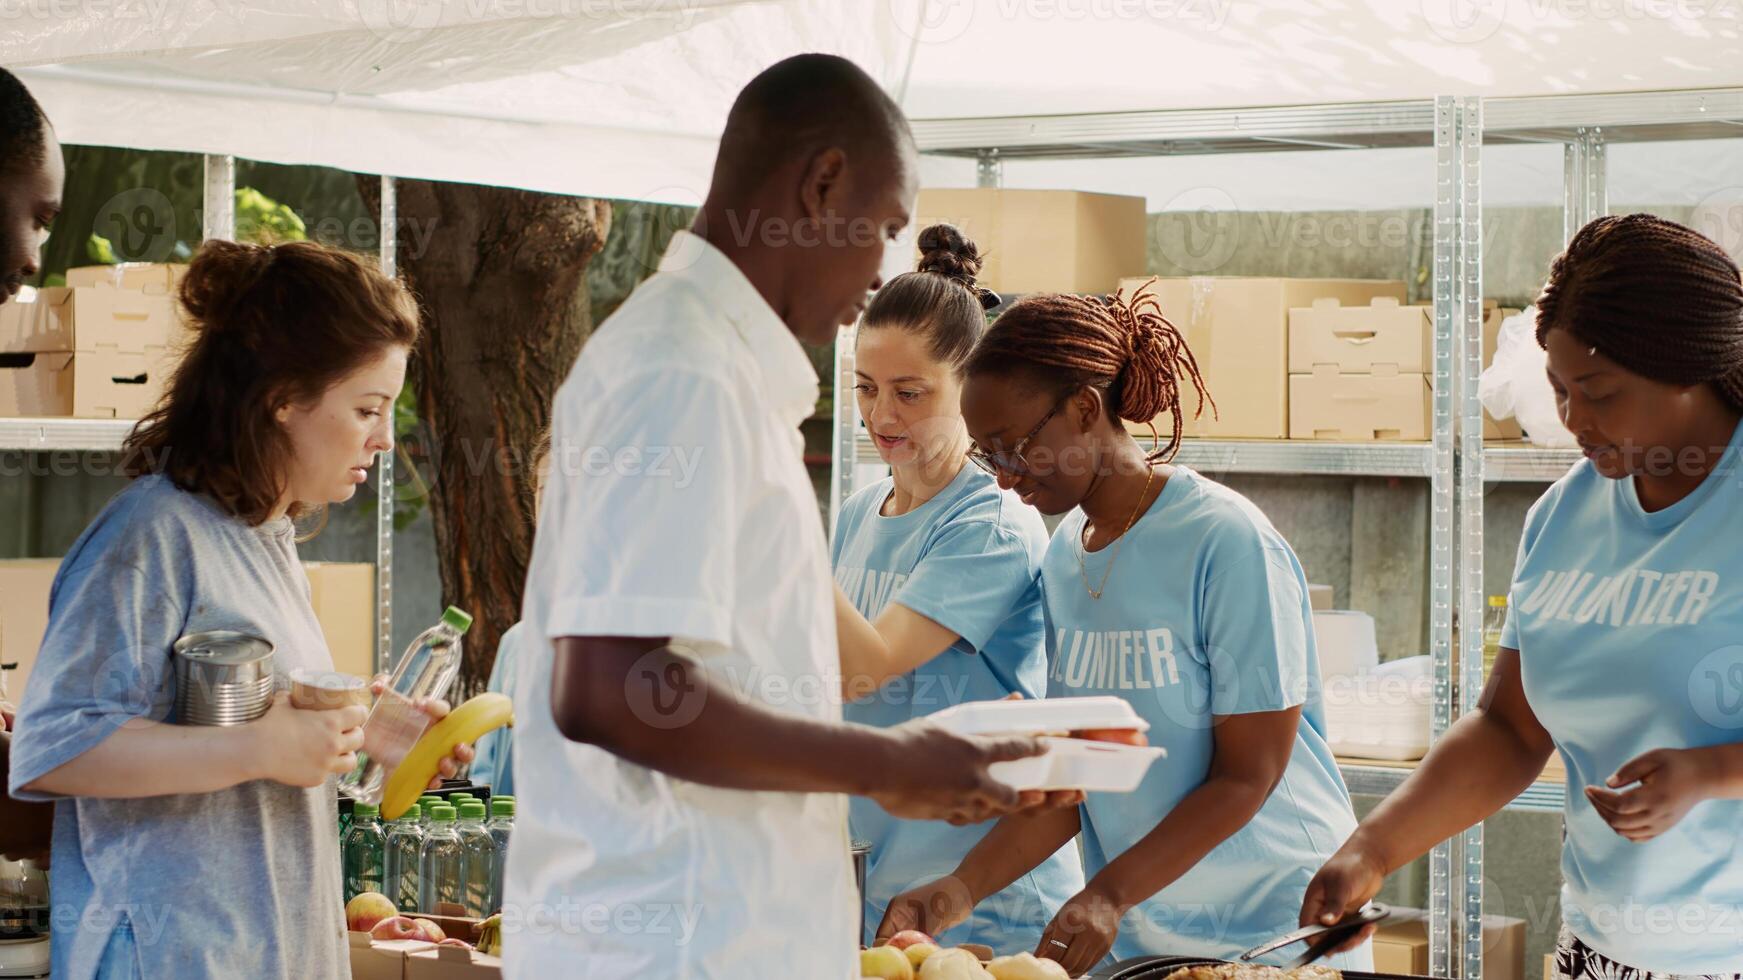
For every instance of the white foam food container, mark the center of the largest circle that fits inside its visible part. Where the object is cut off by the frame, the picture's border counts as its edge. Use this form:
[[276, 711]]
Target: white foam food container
[[1068, 763], [1052, 715], [1076, 763]]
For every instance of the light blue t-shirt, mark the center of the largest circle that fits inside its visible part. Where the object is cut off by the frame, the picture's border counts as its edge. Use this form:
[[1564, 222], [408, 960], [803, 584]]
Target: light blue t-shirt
[[1205, 613], [494, 766], [967, 560], [1629, 628]]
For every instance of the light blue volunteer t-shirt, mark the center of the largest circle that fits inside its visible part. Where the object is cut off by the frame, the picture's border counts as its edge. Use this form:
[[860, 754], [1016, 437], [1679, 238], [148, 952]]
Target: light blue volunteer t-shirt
[[1629, 628], [1205, 613], [967, 560]]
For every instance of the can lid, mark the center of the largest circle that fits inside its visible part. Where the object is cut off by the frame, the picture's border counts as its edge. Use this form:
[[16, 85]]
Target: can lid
[[502, 806], [458, 618], [413, 812], [442, 814], [472, 810], [223, 647], [365, 810]]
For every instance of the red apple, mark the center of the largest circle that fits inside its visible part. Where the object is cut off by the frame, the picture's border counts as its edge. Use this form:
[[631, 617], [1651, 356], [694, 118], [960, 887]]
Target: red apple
[[428, 931], [908, 937], [367, 909], [398, 927]]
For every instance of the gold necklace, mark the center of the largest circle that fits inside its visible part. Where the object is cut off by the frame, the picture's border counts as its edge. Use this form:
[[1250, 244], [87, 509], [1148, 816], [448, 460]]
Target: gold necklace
[[1083, 540]]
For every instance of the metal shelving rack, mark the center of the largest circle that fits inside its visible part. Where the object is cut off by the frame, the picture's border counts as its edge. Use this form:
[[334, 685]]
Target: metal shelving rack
[[218, 220], [1457, 467]]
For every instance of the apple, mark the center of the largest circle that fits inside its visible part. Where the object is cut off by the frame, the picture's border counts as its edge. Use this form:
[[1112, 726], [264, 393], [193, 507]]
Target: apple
[[918, 952], [885, 963], [908, 937], [367, 909], [1024, 966], [398, 927], [953, 964], [1119, 736], [428, 931]]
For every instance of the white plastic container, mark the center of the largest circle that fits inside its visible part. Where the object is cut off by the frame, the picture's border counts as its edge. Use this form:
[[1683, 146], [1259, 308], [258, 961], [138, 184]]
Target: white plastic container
[[1346, 641], [1068, 763], [1383, 714]]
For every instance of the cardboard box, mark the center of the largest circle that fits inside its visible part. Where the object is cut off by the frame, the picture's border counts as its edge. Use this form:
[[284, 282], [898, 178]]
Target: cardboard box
[[91, 319], [24, 588], [344, 599], [1383, 337], [1321, 597], [381, 959], [1045, 241], [452, 963], [1360, 407], [129, 275], [101, 384], [1238, 330], [1401, 945]]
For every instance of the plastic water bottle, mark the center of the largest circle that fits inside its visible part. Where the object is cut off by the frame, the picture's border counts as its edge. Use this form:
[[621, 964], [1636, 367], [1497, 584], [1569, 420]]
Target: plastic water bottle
[[442, 865], [501, 827], [395, 723], [426, 802], [401, 852], [363, 850], [479, 856]]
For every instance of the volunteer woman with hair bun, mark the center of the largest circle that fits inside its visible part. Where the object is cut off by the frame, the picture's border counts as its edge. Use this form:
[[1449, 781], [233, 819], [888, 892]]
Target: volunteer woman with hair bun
[[1621, 644], [202, 852], [1175, 593], [945, 564]]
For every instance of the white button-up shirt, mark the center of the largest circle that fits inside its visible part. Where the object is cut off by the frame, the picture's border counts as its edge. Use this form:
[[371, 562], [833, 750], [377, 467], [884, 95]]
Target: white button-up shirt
[[679, 505]]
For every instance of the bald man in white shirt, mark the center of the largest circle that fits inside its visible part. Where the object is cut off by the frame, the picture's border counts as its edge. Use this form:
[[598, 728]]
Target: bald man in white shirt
[[680, 751]]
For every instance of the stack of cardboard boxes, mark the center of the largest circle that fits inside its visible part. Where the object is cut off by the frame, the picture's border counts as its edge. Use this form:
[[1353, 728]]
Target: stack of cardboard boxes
[[413, 959], [1238, 330], [343, 596], [1401, 945], [1360, 373], [103, 346]]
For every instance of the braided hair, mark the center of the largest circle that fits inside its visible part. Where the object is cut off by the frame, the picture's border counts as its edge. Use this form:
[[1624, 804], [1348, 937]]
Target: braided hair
[[23, 127], [1661, 300], [1121, 345], [940, 299]]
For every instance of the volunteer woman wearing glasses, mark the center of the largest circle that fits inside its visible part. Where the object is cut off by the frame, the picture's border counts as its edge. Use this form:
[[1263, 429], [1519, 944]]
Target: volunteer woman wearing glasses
[[1175, 593], [945, 564]]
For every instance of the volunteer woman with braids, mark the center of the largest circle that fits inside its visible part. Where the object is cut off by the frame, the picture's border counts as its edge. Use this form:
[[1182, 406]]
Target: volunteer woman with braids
[[1621, 646], [945, 564], [1175, 593], [195, 852]]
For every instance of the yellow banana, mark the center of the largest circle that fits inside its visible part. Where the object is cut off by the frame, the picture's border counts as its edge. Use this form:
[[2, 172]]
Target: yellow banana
[[481, 714], [490, 936]]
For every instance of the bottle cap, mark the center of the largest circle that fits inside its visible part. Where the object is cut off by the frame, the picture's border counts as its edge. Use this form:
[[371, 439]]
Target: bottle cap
[[413, 812], [1497, 602], [472, 811], [442, 814], [365, 810], [502, 806], [458, 618]]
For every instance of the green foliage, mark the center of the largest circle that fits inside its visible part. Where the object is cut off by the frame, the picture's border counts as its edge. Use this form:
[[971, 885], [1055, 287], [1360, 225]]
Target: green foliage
[[262, 220]]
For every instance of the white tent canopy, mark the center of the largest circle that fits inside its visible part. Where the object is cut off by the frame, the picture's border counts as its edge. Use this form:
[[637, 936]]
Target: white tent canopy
[[624, 98]]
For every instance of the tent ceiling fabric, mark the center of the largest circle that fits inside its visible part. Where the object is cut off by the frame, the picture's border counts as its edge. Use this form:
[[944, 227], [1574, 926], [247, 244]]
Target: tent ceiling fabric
[[624, 98]]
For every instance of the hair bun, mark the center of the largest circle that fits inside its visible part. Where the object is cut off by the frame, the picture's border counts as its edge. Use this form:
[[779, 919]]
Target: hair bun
[[944, 249], [1156, 356], [221, 275]]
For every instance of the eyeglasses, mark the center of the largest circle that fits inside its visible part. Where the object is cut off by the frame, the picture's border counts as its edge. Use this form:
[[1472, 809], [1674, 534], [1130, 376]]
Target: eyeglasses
[[1012, 461]]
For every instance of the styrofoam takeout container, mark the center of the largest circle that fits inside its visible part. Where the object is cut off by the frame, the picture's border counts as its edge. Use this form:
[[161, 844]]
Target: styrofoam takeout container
[[1038, 717], [1068, 763]]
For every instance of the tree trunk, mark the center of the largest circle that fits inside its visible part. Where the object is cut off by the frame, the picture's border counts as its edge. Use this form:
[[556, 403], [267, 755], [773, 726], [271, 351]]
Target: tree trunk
[[501, 277]]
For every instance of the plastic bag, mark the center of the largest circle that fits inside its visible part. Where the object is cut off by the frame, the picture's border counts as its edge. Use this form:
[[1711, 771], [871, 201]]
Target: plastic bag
[[1515, 385]]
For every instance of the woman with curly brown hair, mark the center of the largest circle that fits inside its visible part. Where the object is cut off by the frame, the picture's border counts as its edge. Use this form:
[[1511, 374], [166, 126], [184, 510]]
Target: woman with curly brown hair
[[208, 852], [1620, 649], [1175, 593]]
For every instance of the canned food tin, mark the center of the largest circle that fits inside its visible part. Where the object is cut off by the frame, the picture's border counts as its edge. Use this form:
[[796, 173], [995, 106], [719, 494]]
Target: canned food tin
[[222, 678]]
